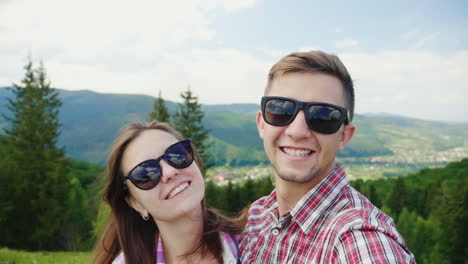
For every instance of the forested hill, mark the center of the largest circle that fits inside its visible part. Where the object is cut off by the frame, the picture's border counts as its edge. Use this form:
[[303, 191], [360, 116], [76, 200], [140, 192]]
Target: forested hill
[[91, 120], [430, 209]]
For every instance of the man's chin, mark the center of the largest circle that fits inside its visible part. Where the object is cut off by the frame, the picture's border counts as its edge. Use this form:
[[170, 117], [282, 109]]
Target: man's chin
[[295, 177]]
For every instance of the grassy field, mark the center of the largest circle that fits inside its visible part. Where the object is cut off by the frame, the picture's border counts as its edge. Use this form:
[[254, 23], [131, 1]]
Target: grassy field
[[9, 256]]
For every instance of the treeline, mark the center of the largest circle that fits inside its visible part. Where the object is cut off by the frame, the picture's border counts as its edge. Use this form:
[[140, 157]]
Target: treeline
[[430, 209], [231, 199]]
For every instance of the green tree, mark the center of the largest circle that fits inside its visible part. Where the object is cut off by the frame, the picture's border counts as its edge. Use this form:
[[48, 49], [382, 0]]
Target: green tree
[[83, 203], [188, 121], [265, 187], [248, 192], [357, 185], [420, 235], [214, 196], [6, 203], [233, 198], [160, 112], [398, 197], [373, 196], [35, 164]]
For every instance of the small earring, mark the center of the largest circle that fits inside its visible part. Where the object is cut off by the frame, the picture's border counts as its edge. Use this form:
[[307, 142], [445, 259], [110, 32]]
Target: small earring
[[145, 215]]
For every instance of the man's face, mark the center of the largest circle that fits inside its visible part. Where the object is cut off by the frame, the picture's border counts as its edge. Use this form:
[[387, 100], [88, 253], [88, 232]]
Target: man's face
[[297, 153]]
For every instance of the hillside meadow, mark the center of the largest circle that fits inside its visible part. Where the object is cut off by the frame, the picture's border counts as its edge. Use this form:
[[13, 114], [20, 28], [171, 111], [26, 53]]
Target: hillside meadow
[[9, 256]]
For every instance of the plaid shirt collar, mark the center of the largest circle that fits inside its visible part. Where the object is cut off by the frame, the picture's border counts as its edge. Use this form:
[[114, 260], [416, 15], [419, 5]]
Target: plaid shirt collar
[[309, 209]]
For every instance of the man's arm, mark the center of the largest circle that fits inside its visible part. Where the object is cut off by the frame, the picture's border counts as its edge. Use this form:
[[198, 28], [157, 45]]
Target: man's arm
[[370, 246]]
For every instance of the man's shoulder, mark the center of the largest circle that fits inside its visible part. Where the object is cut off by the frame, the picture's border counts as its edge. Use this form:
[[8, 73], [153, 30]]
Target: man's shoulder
[[351, 210], [262, 203]]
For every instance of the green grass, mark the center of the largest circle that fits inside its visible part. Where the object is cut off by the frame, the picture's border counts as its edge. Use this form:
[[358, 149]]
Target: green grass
[[43, 257]]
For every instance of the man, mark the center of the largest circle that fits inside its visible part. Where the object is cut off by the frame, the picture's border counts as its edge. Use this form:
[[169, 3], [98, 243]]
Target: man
[[314, 215]]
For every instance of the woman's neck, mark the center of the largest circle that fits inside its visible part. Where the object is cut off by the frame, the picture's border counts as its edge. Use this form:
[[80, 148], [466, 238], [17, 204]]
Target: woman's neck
[[180, 236]]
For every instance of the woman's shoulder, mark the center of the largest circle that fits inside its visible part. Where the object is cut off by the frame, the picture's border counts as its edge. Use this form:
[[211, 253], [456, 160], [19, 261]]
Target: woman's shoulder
[[120, 259], [230, 252]]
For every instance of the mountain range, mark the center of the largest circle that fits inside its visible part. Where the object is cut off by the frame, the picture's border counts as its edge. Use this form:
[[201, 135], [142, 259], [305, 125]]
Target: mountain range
[[91, 120]]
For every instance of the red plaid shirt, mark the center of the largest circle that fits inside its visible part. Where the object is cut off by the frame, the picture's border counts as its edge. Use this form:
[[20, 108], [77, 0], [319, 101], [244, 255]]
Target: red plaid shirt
[[332, 223]]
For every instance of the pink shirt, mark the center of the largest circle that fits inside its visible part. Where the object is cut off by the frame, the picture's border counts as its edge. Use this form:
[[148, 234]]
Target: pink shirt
[[228, 241]]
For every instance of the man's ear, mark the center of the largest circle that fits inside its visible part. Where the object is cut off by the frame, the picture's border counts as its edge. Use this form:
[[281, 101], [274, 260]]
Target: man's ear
[[260, 124], [346, 136], [133, 203]]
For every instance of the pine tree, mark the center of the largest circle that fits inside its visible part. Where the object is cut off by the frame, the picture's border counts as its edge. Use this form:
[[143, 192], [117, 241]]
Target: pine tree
[[160, 112], [397, 198], [188, 121], [357, 185], [36, 166], [373, 196]]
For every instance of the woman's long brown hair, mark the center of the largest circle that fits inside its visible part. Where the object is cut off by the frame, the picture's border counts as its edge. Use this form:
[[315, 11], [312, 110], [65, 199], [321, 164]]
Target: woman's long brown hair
[[126, 231]]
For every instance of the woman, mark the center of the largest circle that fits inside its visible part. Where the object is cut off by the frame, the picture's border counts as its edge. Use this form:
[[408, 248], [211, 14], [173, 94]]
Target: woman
[[158, 208]]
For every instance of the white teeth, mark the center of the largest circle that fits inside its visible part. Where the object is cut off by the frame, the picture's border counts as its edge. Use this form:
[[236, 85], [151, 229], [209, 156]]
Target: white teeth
[[178, 190], [297, 152]]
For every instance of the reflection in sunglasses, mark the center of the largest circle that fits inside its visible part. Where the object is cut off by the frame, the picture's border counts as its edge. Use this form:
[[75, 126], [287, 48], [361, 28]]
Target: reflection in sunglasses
[[150, 169], [324, 112], [152, 175], [281, 107]]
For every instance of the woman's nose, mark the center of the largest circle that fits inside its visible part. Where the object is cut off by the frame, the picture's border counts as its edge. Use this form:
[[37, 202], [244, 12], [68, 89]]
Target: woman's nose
[[168, 172]]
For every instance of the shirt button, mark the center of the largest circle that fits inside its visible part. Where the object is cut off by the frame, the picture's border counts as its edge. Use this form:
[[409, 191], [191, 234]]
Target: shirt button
[[275, 231]]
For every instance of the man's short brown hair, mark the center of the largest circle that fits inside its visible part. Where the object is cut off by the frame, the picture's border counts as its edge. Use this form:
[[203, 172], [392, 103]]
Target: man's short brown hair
[[315, 61]]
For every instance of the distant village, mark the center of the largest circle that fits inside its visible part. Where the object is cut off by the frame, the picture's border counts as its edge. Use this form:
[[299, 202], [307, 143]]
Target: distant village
[[413, 159]]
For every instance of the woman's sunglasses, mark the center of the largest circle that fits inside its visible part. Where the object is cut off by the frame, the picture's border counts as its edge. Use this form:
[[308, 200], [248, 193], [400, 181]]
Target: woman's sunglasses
[[320, 117], [148, 173]]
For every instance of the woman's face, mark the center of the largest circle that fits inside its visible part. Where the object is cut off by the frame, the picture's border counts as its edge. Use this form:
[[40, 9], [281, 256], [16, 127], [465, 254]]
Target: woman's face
[[179, 192]]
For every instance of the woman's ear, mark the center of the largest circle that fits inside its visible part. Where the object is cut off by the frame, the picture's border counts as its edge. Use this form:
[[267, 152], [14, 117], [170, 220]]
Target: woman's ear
[[133, 203]]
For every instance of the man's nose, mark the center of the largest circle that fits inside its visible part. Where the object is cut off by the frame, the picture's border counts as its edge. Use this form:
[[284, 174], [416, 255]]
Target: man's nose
[[298, 128]]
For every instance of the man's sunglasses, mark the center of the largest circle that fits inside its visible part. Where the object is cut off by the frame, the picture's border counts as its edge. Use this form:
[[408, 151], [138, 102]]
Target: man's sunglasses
[[148, 173], [320, 117]]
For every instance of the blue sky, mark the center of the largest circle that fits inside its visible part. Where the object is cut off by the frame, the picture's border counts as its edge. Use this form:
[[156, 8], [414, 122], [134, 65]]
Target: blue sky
[[376, 25], [407, 57]]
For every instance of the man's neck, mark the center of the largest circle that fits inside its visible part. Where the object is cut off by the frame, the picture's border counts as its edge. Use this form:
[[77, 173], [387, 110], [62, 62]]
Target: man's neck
[[289, 193]]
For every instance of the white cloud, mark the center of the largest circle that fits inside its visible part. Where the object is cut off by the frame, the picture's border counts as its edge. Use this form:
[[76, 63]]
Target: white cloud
[[217, 76], [236, 5], [88, 29], [409, 34], [411, 83], [347, 43], [422, 42], [146, 46], [117, 46]]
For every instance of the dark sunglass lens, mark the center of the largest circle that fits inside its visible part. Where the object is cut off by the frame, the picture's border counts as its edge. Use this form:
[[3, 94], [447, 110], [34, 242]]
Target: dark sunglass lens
[[146, 175], [279, 112], [180, 155], [324, 119]]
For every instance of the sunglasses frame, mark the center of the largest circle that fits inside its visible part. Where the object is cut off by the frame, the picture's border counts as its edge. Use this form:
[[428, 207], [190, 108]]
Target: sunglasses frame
[[304, 106], [165, 156]]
